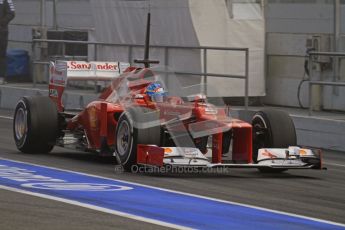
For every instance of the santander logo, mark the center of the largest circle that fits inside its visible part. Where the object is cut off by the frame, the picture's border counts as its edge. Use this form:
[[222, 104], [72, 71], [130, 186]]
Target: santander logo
[[78, 65]]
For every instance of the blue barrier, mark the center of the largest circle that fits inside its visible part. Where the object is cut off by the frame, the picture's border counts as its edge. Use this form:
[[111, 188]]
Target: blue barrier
[[17, 63]]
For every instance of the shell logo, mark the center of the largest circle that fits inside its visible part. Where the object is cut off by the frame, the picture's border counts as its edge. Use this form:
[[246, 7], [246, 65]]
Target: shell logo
[[302, 152], [168, 150]]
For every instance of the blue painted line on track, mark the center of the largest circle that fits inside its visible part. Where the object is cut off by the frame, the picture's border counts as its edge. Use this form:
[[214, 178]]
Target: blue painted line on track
[[151, 203]]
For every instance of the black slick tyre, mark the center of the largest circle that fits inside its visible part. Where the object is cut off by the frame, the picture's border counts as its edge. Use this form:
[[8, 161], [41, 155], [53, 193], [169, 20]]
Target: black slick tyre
[[272, 129], [135, 126], [35, 124]]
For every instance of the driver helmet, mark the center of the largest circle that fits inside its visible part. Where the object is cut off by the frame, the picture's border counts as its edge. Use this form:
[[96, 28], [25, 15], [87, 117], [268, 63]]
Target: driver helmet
[[155, 91]]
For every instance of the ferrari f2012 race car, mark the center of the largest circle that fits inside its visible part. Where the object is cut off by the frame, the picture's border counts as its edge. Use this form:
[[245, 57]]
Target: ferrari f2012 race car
[[146, 118], [136, 120]]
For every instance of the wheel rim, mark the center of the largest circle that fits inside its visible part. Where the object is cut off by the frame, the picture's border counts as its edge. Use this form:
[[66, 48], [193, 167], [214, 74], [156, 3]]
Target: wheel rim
[[20, 124], [123, 138]]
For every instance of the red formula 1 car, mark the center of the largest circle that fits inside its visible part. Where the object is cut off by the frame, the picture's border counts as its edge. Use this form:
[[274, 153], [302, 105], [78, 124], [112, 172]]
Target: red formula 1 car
[[145, 117]]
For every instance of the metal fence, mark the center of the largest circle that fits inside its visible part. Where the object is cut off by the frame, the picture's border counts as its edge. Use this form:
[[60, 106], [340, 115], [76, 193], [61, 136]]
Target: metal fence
[[329, 83], [203, 49]]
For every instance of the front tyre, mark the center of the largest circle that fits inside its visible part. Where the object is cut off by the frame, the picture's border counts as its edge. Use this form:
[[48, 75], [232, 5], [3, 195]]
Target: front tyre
[[272, 129], [35, 124], [135, 126]]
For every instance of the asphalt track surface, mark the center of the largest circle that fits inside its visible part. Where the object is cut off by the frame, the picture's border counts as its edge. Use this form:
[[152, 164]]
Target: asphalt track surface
[[312, 193]]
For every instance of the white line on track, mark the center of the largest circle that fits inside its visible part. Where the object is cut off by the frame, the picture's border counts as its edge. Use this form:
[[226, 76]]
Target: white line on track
[[334, 164], [94, 207], [6, 117], [190, 194]]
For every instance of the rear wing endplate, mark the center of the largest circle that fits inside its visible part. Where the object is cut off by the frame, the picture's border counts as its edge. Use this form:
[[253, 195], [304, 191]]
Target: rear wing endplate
[[60, 72]]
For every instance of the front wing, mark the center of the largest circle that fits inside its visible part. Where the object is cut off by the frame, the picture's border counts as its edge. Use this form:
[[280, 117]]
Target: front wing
[[290, 158]]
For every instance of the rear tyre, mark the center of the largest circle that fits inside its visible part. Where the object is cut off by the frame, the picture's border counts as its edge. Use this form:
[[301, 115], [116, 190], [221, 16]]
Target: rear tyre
[[272, 129], [35, 124], [135, 126]]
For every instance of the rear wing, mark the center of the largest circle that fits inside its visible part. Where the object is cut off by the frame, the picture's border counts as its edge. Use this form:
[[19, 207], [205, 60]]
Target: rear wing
[[60, 72]]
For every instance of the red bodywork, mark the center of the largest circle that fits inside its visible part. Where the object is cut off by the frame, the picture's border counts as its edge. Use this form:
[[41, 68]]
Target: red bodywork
[[99, 119]]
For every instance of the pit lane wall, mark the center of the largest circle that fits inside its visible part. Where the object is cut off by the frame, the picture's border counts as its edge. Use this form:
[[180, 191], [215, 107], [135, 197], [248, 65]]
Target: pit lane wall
[[9, 96], [311, 131]]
